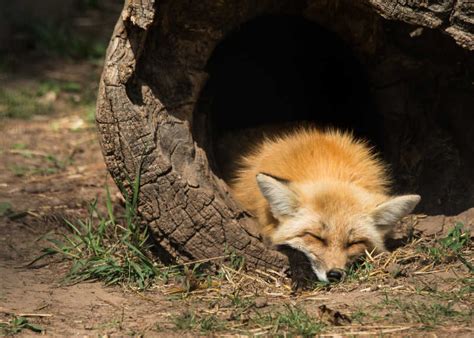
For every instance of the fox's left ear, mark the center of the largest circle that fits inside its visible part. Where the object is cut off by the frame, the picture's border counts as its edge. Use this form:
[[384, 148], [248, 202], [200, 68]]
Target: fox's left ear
[[282, 200], [388, 213]]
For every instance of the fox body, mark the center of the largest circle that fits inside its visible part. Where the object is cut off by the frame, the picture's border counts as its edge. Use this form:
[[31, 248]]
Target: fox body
[[323, 193]]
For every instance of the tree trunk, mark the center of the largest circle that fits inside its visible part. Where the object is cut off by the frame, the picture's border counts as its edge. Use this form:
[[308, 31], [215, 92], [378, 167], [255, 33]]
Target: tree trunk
[[148, 120], [455, 17]]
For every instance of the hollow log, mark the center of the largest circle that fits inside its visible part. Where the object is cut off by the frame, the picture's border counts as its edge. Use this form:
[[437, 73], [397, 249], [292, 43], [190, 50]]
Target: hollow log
[[152, 120]]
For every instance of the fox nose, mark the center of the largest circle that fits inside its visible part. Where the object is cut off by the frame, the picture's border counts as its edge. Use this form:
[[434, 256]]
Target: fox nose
[[335, 275]]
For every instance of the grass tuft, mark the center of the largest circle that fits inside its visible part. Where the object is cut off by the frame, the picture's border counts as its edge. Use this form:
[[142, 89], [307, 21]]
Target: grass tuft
[[191, 321], [430, 315], [64, 42], [22, 104], [360, 270], [450, 248], [42, 98], [110, 248], [18, 324], [292, 320]]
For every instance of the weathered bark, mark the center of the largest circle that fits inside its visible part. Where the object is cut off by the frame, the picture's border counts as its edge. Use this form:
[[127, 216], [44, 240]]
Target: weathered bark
[[455, 17], [152, 79], [188, 209]]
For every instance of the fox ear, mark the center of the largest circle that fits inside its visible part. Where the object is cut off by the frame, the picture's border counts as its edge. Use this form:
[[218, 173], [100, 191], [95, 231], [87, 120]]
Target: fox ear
[[282, 199], [388, 213]]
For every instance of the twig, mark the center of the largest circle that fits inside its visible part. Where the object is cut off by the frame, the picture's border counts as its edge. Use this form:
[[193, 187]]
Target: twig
[[196, 262], [364, 333], [421, 272], [247, 276], [28, 152], [34, 315]]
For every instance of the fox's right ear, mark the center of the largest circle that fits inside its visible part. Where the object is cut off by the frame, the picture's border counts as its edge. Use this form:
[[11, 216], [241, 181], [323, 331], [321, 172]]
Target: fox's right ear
[[282, 200], [388, 213]]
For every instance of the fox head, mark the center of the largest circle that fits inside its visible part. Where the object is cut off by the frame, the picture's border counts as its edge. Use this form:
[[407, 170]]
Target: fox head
[[333, 223]]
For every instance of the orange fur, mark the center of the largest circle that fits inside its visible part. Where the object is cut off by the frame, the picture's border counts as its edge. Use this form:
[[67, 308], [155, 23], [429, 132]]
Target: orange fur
[[308, 155], [333, 203]]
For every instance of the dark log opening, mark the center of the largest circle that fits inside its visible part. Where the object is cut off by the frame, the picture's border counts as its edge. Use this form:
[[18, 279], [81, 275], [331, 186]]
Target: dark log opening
[[280, 70], [284, 69], [155, 89]]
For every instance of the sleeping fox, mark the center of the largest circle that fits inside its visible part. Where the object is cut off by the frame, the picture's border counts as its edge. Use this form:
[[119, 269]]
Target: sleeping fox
[[323, 193]]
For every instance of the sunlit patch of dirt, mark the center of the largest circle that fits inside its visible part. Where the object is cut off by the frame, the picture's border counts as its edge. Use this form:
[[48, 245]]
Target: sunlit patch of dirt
[[51, 168], [404, 292]]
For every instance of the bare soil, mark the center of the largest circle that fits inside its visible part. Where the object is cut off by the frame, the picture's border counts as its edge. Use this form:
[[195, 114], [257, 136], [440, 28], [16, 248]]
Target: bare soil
[[42, 194], [51, 168]]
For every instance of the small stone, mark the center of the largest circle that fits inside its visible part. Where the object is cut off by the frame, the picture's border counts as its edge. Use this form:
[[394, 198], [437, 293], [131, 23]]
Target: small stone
[[432, 225], [261, 302], [229, 316], [48, 98], [226, 303], [36, 188], [394, 269]]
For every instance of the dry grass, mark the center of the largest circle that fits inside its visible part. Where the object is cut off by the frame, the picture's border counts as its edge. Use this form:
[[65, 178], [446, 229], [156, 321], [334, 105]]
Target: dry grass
[[425, 285], [402, 296]]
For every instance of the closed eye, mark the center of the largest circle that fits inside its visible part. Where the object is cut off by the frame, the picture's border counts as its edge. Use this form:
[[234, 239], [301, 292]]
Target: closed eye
[[362, 242], [322, 240]]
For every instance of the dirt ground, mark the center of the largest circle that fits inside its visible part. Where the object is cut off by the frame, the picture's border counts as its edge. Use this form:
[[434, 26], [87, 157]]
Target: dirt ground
[[51, 168]]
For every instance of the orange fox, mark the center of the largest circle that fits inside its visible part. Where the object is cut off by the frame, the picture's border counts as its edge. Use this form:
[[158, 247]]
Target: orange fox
[[323, 193]]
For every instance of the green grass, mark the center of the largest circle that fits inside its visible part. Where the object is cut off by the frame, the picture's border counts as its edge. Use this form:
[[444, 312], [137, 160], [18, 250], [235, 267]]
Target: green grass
[[450, 247], [115, 249], [90, 113], [58, 163], [32, 100], [51, 165], [293, 321], [17, 325], [27, 101], [240, 302], [290, 321], [5, 208], [236, 261], [190, 321], [20, 146], [360, 270], [460, 291], [358, 316], [62, 41], [430, 314], [110, 248], [22, 104], [456, 239], [22, 170]]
